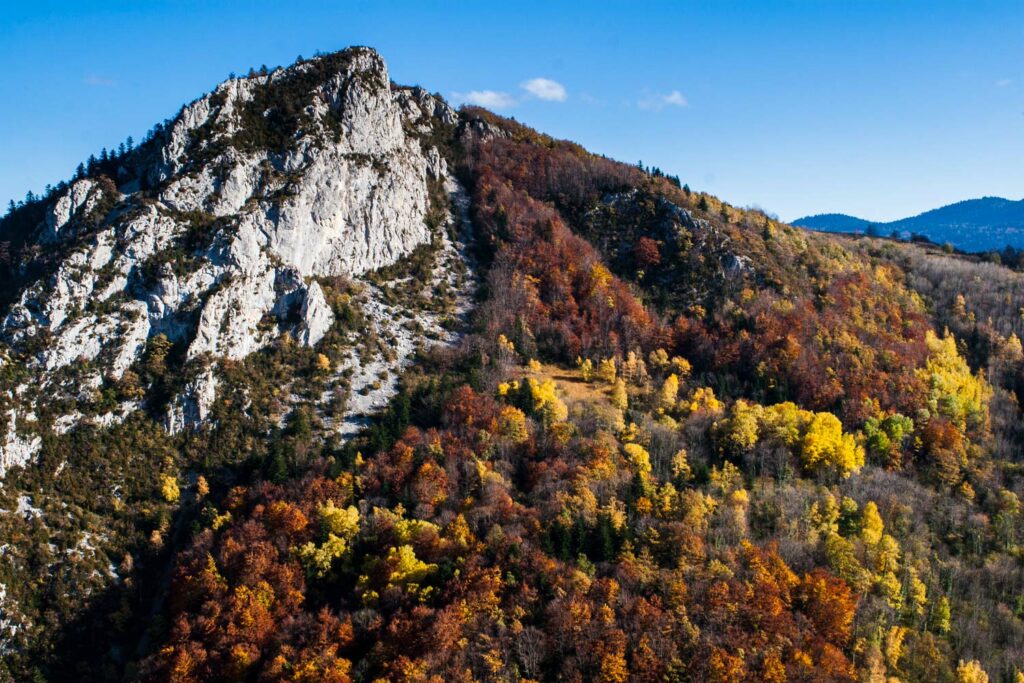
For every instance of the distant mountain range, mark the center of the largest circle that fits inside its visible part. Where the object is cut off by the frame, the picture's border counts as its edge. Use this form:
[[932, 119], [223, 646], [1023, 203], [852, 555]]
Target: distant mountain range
[[972, 225]]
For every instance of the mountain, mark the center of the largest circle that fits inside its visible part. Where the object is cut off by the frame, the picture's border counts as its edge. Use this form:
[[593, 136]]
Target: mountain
[[240, 230], [834, 222], [326, 380], [974, 225]]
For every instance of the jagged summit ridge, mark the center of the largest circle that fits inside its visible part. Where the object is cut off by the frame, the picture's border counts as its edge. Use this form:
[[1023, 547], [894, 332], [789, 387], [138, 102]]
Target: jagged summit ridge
[[216, 241]]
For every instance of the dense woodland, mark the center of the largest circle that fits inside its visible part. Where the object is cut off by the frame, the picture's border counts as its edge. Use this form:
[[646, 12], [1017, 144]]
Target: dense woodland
[[678, 441]]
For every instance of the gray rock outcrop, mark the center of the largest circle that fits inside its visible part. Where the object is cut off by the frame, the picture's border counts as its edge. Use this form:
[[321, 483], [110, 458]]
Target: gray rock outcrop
[[237, 221]]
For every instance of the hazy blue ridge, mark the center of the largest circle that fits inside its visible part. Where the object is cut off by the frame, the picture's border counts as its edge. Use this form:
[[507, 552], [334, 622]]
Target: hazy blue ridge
[[971, 225]]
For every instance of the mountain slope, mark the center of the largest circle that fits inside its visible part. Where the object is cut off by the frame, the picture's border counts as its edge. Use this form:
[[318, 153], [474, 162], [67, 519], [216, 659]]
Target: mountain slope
[[299, 209], [989, 223], [586, 425]]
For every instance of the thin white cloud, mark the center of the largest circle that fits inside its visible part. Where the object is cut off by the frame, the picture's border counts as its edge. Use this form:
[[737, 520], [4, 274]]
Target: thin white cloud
[[676, 99], [538, 88], [545, 89], [1003, 82], [490, 99], [659, 102], [99, 81]]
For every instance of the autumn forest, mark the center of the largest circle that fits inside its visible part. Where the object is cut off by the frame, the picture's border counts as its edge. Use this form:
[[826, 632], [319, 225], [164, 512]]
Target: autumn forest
[[676, 441]]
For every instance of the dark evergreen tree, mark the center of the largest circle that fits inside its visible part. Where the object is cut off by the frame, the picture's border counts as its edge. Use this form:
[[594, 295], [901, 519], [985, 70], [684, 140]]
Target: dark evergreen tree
[[278, 468]]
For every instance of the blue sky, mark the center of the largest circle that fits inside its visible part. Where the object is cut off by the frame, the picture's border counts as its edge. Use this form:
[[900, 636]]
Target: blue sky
[[879, 109]]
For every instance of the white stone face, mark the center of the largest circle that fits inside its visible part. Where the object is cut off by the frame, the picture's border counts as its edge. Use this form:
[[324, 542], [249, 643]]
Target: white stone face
[[333, 205], [227, 325], [15, 448], [350, 217], [80, 197], [317, 316], [192, 406]]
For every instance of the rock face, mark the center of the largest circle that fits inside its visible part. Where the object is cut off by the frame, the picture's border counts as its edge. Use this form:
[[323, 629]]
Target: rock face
[[81, 198], [239, 209], [316, 316], [15, 448]]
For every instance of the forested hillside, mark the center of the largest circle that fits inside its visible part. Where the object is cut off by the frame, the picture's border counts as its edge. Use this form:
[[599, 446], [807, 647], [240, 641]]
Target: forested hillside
[[672, 440]]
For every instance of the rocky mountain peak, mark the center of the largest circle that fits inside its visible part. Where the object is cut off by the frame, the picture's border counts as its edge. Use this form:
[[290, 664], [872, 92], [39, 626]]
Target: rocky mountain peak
[[215, 232]]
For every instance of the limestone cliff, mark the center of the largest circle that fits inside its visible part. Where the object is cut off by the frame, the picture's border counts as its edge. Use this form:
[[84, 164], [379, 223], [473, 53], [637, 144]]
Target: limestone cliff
[[229, 215]]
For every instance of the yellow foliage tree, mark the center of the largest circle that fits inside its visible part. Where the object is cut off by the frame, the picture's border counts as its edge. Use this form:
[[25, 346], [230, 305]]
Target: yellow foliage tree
[[891, 589], [338, 526], [406, 568], [619, 397], [825, 446], [318, 559], [343, 522], [953, 391], [458, 530], [658, 359], [512, 424], [819, 437], [784, 422], [840, 555], [703, 400], [614, 668], [202, 487], [740, 431], [638, 457], [669, 392], [681, 367], [681, 466], [169, 488], [886, 555], [940, 618], [606, 371], [505, 346], [871, 524], [546, 402], [600, 277], [634, 369], [894, 645], [586, 368], [917, 593], [1013, 349], [971, 672]]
